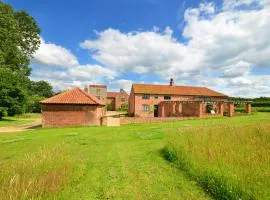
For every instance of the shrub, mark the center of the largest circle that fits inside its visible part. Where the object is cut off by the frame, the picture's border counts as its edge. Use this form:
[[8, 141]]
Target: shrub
[[3, 112]]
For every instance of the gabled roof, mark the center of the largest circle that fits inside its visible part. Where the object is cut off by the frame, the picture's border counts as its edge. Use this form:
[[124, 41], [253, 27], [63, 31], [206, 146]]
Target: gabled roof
[[112, 94], [115, 94], [73, 96], [175, 90]]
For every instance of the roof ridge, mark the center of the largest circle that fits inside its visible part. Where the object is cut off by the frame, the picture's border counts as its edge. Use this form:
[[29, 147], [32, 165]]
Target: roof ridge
[[91, 97], [169, 85], [67, 97]]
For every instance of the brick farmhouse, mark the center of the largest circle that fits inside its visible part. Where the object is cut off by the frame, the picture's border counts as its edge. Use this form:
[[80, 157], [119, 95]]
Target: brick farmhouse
[[151, 100], [72, 108], [117, 100], [146, 102], [114, 100]]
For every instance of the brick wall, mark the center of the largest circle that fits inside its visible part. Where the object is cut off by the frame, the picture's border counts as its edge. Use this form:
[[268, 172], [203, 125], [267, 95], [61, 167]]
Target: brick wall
[[71, 115], [110, 101], [131, 106], [136, 102], [121, 99]]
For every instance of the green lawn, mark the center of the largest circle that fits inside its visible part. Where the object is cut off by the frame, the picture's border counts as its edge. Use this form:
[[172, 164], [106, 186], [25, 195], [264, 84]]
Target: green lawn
[[124, 162], [19, 120]]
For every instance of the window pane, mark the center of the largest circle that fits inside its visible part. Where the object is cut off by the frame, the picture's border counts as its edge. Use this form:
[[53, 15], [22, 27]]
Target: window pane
[[145, 107], [167, 97], [146, 96]]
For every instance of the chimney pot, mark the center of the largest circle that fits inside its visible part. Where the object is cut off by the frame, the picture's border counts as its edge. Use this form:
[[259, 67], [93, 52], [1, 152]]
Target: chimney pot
[[171, 82]]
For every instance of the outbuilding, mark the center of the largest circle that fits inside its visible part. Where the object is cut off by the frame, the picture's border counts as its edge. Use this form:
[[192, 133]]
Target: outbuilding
[[72, 108]]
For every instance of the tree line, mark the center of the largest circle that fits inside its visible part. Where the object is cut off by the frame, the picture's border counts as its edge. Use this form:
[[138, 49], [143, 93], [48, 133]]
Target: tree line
[[19, 40]]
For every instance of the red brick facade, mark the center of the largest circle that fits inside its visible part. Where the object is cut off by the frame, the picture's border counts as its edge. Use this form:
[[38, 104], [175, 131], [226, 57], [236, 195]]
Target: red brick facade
[[145, 102], [117, 100], [71, 115], [72, 108]]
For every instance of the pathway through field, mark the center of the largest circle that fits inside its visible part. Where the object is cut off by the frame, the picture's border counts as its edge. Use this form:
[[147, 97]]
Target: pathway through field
[[24, 127]]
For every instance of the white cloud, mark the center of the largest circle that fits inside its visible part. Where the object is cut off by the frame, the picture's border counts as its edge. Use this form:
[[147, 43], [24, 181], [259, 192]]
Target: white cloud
[[80, 75], [122, 83], [91, 72], [223, 45], [142, 52], [50, 54], [221, 49], [236, 70]]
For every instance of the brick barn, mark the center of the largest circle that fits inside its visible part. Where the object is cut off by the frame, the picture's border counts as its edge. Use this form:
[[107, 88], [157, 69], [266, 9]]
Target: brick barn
[[72, 108], [152, 100], [117, 100]]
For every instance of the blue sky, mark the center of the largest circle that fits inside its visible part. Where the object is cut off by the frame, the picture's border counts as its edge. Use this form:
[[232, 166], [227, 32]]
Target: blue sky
[[210, 43]]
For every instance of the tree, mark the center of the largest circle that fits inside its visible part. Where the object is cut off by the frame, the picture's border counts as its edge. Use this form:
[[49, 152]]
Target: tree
[[41, 88], [13, 95], [19, 39], [38, 91]]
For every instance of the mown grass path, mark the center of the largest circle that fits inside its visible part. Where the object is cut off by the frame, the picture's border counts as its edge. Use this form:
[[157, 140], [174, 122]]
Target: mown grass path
[[99, 162]]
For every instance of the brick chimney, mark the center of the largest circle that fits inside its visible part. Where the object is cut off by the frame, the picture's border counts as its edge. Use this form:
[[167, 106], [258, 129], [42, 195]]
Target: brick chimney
[[171, 82]]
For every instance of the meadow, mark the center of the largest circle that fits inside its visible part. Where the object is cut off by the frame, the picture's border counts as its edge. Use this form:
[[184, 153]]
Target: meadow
[[143, 161]]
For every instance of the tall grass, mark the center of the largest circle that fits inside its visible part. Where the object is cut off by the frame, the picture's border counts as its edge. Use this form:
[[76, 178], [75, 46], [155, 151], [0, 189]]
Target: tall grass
[[228, 162], [39, 175]]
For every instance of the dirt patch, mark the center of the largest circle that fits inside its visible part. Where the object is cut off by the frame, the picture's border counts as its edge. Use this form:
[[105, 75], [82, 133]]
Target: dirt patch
[[33, 125]]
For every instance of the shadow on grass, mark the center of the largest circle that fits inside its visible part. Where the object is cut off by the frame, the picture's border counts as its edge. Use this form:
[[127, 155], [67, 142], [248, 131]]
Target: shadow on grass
[[7, 120], [34, 127], [213, 184]]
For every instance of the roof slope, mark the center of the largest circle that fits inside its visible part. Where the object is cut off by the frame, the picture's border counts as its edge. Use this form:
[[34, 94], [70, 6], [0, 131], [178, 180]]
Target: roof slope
[[115, 94], [112, 94], [73, 96], [175, 90]]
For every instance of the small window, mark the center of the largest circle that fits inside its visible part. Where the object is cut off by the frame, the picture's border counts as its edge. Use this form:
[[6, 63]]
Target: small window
[[167, 97], [123, 99], [145, 96], [156, 96], [145, 107]]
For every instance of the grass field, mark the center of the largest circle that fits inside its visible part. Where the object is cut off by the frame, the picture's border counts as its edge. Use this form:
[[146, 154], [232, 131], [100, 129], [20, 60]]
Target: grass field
[[229, 161], [19, 120], [124, 162]]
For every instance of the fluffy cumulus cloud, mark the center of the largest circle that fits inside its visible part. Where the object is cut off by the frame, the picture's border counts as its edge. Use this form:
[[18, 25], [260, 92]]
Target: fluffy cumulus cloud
[[219, 47], [50, 54], [64, 69], [223, 44]]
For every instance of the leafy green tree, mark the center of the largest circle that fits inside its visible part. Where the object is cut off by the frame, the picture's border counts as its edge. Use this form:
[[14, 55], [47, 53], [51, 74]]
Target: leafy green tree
[[38, 90], [13, 95], [33, 105], [41, 88], [19, 39]]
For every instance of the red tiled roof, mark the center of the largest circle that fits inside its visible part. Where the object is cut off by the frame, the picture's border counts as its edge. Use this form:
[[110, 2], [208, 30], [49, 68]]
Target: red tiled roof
[[115, 94], [112, 94], [175, 90], [73, 96]]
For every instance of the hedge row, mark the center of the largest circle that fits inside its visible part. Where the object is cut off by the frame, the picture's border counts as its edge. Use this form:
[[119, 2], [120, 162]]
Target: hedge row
[[261, 104]]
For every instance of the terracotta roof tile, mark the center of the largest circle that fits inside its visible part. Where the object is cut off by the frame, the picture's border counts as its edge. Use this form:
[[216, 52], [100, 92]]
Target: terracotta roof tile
[[112, 94], [175, 90], [73, 96]]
